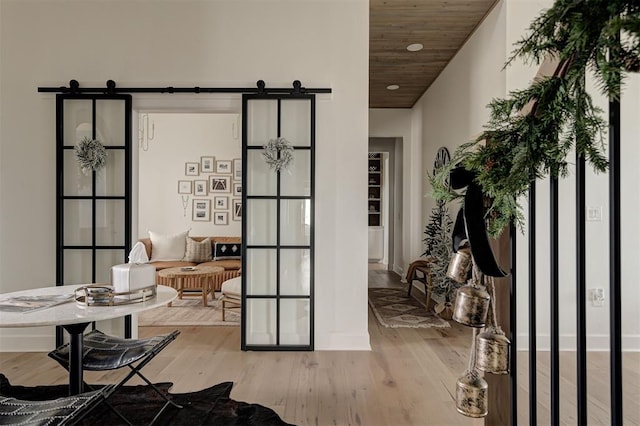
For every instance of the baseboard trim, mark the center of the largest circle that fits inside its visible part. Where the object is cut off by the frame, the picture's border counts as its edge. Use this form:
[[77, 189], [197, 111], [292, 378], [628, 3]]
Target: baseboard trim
[[400, 271], [595, 342], [31, 343], [345, 342]]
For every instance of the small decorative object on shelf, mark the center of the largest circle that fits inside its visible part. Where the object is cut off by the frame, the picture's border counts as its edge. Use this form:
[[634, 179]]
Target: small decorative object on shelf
[[91, 155], [278, 153]]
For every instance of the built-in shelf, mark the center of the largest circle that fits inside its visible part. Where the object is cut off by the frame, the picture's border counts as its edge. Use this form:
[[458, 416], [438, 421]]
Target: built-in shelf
[[375, 189]]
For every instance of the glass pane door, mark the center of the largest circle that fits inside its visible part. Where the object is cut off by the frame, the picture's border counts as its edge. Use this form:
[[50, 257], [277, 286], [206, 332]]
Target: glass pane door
[[278, 214], [93, 203]]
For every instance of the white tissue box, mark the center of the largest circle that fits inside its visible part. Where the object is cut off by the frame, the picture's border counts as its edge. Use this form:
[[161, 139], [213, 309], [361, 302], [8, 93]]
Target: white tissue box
[[132, 277]]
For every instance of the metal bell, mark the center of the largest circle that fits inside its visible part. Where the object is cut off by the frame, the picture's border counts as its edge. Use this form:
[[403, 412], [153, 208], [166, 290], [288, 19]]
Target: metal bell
[[471, 395], [460, 265], [472, 306], [492, 352]]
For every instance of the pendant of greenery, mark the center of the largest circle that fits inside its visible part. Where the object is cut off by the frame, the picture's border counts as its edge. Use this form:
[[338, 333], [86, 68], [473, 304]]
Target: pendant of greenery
[[601, 37]]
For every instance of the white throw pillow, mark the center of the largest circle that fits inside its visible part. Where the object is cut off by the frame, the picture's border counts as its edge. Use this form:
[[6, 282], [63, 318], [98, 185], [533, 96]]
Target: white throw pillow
[[168, 247]]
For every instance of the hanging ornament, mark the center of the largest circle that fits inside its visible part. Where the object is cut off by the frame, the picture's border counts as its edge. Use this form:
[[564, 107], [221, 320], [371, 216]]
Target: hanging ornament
[[278, 153], [471, 389], [472, 302], [493, 351], [459, 265], [493, 346], [91, 155]]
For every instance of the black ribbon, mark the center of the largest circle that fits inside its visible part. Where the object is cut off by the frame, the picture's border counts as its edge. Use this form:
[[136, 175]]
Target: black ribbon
[[470, 224]]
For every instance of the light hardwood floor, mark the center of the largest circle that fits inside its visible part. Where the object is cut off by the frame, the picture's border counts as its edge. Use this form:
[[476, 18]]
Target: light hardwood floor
[[408, 378]]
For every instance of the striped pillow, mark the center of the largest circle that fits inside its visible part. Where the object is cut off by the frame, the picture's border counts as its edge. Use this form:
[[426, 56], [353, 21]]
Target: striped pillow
[[198, 251]]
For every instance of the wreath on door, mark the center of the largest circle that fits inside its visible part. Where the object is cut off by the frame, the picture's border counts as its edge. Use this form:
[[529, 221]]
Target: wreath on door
[[91, 155], [278, 153]]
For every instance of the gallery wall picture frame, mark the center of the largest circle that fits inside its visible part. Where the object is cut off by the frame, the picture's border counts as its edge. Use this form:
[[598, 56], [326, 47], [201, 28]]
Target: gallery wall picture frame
[[200, 188], [201, 210], [206, 164], [220, 203], [237, 169], [219, 184], [223, 167], [192, 169], [237, 189], [184, 187], [236, 208], [221, 218]]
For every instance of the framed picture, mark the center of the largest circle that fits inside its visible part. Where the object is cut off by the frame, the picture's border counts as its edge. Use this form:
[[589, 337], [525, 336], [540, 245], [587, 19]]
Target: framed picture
[[200, 187], [237, 189], [184, 187], [206, 164], [236, 207], [220, 203], [192, 169], [237, 169], [202, 210], [223, 167], [219, 183], [220, 218]]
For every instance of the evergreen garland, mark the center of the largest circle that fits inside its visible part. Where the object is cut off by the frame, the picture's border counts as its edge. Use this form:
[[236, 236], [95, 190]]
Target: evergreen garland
[[516, 149], [438, 245]]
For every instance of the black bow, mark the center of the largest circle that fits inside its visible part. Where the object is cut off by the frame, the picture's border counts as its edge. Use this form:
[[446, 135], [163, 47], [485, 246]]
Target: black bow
[[470, 224]]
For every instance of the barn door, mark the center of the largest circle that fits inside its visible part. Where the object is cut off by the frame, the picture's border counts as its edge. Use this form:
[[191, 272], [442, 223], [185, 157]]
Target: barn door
[[278, 222], [93, 207]]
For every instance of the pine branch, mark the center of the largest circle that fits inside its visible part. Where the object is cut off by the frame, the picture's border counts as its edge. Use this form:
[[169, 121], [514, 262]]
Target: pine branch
[[597, 36]]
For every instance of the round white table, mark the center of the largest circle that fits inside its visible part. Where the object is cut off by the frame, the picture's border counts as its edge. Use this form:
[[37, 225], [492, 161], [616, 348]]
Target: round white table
[[75, 318]]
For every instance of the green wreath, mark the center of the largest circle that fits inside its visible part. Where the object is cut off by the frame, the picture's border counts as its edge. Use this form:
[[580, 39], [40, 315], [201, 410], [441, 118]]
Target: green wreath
[[278, 153], [91, 155]]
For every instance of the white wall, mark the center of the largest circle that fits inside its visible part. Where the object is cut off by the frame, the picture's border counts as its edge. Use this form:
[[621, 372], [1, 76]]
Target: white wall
[[188, 43], [453, 111], [177, 139]]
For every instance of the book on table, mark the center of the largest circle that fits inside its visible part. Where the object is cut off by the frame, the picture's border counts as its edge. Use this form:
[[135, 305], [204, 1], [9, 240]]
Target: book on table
[[33, 303]]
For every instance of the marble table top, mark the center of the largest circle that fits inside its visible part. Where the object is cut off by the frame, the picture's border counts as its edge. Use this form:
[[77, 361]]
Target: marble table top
[[76, 313]]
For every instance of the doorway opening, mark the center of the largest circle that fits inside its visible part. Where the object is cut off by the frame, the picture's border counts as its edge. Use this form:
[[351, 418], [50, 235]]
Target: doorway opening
[[189, 179], [384, 205]]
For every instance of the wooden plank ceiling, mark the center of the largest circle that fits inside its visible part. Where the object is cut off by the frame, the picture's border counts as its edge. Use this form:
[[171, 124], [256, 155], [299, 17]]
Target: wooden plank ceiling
[[441, 26]]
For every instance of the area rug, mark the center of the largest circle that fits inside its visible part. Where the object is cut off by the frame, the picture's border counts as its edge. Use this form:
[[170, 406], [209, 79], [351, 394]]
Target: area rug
[[139, 404], [394, 309], [189, 312]]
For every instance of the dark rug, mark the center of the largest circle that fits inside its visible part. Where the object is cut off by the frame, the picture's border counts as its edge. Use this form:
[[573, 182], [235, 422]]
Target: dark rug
[[394, 309], [139, 404]]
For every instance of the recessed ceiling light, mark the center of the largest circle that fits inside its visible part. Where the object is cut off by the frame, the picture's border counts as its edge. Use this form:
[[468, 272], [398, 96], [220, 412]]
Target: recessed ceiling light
[[393, 87], [415, 47]]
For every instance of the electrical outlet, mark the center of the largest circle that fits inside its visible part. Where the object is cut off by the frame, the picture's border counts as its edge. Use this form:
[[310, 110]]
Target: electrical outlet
[[597, 297], [594, 214]]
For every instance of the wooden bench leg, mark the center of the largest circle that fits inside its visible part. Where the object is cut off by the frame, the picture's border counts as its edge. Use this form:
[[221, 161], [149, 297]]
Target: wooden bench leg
[[224, 308]]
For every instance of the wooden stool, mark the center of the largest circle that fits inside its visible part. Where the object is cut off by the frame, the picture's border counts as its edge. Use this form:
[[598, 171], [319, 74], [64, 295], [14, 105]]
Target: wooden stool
[[422, 274]]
